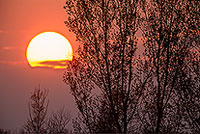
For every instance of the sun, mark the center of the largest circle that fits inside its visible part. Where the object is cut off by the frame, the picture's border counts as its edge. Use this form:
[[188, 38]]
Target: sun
[[49, 49]]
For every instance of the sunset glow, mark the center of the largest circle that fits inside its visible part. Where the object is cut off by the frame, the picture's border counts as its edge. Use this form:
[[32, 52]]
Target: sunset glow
[[49, 49]]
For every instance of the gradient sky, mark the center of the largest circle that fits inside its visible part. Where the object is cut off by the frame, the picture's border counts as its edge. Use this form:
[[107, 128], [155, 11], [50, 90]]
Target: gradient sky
[[20, 21]]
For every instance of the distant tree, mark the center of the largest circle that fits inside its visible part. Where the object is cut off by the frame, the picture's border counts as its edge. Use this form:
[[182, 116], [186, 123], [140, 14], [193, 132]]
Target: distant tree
[[170, 102], [2, 131], [38, 105], [101, 76], [58, 122]]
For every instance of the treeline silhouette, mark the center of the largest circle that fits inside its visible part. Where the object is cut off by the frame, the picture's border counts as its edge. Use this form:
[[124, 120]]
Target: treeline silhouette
[[116, 87], [119, 90], [39, 121]]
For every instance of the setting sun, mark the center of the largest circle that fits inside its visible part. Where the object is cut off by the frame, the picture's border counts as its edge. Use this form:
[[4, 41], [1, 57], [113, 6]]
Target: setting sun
[[49, 49]]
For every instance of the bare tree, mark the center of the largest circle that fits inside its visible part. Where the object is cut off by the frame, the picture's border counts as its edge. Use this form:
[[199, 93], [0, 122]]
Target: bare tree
[[101, 76], [168, 50], [37, 112], [118, 92], [58, 122]]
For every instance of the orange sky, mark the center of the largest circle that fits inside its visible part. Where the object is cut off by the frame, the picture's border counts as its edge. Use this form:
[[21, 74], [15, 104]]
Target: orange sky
[[20, 21]]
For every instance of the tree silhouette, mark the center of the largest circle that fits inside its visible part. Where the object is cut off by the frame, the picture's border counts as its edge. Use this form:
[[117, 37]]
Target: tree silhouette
[[37, 112], [58, 122], [101, 76], [168, 56], [117, 92], [2, 131]]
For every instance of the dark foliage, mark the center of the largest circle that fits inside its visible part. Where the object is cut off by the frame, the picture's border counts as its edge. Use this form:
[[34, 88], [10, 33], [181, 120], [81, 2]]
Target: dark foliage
[[101, 77], [118, 92], [172, 58]]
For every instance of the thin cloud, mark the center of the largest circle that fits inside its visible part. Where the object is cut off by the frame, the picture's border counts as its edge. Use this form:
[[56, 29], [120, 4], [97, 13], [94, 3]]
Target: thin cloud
[[52, 64], [2, 31], [7, 48]]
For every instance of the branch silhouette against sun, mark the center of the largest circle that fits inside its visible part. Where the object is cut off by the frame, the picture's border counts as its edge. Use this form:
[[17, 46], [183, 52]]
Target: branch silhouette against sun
[[118, 92]]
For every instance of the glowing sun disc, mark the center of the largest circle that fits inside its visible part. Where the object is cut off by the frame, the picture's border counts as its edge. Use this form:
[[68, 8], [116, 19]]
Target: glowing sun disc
[[49, 49]]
